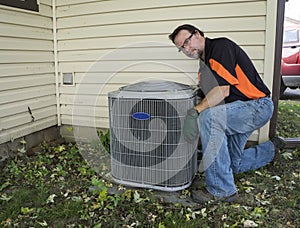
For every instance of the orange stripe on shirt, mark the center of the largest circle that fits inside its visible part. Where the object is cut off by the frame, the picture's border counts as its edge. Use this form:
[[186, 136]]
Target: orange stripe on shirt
[[246, 87], [218, 67], [242, 83]]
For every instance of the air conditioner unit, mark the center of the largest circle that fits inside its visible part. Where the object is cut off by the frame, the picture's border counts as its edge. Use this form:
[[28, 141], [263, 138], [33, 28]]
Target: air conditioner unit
[[146, 141]]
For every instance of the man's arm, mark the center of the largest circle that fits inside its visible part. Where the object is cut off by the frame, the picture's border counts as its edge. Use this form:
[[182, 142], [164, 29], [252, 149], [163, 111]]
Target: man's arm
[[213, 98]]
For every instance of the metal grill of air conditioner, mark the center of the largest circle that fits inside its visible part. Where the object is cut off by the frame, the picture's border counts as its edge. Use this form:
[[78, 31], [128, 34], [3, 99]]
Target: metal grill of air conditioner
[[146, 142]]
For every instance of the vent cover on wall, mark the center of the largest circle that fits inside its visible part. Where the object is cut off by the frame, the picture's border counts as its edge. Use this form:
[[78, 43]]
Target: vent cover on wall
[[146, 142]]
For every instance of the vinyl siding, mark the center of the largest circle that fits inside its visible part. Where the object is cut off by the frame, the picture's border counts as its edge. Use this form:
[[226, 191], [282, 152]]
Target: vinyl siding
[[108, 44], [26, 71]]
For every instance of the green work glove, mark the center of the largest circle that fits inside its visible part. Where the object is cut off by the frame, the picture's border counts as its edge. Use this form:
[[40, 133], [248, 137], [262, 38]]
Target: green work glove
[[190, 126]]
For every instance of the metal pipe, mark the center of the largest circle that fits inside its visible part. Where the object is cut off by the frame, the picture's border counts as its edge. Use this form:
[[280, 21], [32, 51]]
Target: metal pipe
[[56, 62]]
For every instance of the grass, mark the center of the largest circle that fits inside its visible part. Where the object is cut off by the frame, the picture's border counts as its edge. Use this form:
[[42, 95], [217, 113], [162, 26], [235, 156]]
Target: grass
[[289, 119], [51, 189]]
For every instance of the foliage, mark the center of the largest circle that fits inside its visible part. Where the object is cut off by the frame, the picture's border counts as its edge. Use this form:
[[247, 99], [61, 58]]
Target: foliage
[[289, 119], [56, 187], [105, 139]]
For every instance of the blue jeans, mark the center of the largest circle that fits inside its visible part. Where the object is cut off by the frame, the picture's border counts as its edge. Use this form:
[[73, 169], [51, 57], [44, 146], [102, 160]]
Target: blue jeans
[[224, 131]]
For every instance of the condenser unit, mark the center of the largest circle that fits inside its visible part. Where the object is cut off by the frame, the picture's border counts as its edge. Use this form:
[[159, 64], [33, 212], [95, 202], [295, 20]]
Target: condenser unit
[[146, 140]]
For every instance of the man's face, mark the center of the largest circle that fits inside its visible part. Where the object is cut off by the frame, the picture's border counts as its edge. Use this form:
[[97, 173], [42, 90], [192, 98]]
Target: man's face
[[191, 44]]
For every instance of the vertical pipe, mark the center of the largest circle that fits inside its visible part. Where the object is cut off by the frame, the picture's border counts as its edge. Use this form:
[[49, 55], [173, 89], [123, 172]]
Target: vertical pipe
[[277, 66], [56, 62]]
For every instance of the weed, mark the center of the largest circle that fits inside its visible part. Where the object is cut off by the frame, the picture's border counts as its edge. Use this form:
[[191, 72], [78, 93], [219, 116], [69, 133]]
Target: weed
[[105, 139]]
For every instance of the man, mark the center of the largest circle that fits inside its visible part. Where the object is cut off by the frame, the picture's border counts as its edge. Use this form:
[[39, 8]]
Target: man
[[234, 103]]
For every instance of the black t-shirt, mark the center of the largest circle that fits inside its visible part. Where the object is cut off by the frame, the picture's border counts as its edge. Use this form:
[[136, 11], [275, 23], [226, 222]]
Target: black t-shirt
[[230, 65]]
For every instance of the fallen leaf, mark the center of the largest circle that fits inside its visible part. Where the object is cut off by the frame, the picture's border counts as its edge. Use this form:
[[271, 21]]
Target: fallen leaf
[[250, 223], [276, 178], [51, 198]]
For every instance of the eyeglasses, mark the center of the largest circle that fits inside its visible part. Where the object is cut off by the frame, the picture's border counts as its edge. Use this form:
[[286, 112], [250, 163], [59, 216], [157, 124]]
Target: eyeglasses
[[186, 42]]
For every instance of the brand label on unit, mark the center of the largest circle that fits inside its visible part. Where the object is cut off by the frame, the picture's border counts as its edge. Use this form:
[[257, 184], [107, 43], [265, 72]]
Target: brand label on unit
[[141, 116]]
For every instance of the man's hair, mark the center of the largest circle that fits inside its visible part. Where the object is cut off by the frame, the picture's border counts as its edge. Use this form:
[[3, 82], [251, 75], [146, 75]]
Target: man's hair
[[187, 27]]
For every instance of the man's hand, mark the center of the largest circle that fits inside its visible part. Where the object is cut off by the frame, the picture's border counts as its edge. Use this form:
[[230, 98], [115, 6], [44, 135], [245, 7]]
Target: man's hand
[[190, 126]]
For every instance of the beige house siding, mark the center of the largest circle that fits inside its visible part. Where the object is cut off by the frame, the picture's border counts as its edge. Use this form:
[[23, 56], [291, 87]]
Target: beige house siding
[[107, 44], [26, 71]]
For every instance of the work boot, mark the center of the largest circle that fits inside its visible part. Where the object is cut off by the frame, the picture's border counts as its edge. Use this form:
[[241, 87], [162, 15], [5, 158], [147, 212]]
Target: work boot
[[278, 144], [203, 196]]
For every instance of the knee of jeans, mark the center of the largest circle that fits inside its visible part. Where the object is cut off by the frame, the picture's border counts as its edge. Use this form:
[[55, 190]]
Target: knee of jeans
[[212, 118]]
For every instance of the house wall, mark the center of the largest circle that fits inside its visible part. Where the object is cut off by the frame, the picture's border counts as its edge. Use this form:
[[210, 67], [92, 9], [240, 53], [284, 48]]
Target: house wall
[[108, 44], [27, 79]]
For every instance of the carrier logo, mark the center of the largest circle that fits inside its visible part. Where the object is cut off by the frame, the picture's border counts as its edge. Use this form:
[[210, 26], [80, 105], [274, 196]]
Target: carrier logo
[[141, 116]]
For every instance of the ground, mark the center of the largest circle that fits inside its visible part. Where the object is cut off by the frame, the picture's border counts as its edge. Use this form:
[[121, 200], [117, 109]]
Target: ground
[[53, 186]]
